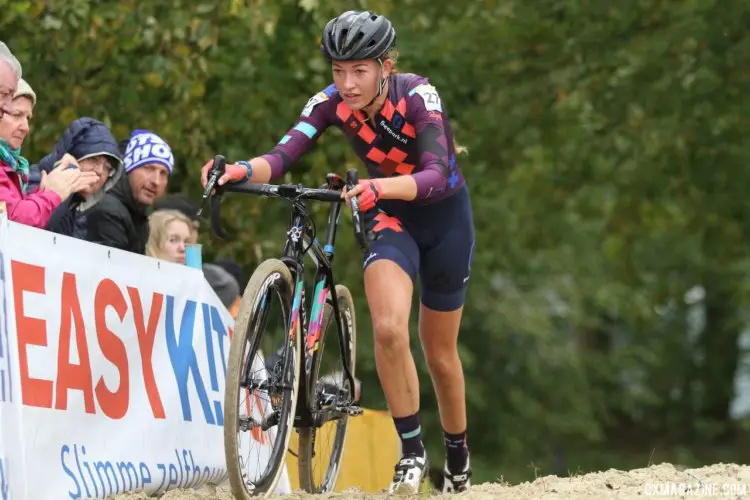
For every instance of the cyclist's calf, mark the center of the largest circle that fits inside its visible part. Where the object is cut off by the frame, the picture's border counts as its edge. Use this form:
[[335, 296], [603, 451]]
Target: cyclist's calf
[[389, 291]]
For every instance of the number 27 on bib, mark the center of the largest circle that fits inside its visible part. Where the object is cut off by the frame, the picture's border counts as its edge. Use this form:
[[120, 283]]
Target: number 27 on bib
[[430, 96]]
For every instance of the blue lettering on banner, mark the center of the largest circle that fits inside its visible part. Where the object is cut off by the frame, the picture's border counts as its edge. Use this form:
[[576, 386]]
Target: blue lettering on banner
[[221, 332], [106, 477], [183, 359], [210, 346], [4, 479], [212, 323], [6, 386]]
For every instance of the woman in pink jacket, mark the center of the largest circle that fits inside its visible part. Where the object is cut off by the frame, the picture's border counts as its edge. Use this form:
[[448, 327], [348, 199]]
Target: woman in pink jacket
[[32, 209]]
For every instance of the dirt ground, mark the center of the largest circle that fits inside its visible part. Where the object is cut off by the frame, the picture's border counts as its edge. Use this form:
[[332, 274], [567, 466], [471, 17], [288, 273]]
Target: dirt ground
[[726, 481]]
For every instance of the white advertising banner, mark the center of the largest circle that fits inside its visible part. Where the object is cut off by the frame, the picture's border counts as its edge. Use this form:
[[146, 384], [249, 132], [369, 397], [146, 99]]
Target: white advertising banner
[[112, 369]]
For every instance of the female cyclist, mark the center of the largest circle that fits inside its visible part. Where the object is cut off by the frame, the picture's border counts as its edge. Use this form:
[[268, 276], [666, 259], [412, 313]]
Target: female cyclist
[[420, 220]]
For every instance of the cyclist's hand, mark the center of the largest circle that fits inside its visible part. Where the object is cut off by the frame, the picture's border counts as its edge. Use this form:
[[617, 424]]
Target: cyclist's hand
[[367, 192], [232, 173]]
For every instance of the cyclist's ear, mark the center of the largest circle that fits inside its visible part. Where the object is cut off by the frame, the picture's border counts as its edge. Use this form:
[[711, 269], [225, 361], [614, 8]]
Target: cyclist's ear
[[387, 67]]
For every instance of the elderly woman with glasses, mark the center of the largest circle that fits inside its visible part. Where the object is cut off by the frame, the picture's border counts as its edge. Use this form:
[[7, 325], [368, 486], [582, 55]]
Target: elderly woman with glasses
[[95, 149], [24, 206]]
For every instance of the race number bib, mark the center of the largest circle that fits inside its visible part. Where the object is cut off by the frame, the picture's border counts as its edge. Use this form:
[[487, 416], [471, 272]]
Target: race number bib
[[430, 96], [314, 101]]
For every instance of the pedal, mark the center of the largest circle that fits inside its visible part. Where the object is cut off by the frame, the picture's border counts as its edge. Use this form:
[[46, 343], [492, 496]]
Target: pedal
[[353, 410]]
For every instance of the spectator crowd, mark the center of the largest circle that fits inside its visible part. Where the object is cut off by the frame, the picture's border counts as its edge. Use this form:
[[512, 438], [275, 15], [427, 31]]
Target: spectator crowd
[[92, 188]]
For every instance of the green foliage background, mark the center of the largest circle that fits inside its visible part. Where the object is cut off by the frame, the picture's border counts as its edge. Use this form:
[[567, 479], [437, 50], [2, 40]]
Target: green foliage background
[[608, 167]]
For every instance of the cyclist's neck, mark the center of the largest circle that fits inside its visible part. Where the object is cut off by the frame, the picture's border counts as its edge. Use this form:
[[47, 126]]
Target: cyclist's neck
[[373, 108]]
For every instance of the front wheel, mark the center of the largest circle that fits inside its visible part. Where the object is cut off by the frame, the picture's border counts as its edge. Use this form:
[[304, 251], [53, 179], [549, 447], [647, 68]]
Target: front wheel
[[321, 449], [262, 382]]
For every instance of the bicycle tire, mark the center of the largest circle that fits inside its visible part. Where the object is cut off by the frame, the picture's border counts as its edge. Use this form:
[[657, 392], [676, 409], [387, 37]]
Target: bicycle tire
[[272, 274], [307, 434]]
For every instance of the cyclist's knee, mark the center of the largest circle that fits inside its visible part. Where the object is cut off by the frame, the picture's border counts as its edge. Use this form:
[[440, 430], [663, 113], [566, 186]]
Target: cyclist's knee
[[442, 359], [391, 329]]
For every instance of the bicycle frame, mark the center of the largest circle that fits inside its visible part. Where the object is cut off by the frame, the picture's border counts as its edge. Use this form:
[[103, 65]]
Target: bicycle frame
[[300, 243], [294, 252]]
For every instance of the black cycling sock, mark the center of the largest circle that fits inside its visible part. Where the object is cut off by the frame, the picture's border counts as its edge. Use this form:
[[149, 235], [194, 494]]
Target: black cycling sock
[[457, 451], [410, 433]]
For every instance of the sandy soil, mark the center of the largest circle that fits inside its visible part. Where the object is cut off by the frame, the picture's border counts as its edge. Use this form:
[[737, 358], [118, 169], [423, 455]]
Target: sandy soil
[[664, 480]]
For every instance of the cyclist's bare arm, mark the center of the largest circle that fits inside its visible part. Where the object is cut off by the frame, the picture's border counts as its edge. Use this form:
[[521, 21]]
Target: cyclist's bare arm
[[261, 171], [318, 114]]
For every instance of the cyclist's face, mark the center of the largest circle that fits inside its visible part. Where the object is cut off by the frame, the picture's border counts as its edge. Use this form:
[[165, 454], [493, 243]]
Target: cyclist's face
[[357, 81]]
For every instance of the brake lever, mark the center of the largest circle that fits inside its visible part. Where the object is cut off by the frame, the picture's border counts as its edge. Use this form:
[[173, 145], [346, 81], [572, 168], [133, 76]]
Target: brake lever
[[217, 170], [334, 181], [352, 179]]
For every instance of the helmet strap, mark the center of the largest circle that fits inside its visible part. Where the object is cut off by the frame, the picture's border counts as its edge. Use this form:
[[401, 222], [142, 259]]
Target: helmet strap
[[381, 84]]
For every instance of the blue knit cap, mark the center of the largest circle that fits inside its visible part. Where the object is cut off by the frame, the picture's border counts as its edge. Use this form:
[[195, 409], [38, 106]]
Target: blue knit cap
[[144, 148]]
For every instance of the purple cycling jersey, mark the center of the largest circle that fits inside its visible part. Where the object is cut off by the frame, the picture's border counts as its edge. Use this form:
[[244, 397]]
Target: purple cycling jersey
[[410, 135]]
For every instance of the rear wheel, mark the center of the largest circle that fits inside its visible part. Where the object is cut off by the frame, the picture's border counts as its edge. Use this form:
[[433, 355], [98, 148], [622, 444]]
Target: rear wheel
[[261, 383], [321, 449]]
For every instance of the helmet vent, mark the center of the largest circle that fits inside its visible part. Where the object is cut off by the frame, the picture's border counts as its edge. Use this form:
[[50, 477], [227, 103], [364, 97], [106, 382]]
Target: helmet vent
[[355, 35]]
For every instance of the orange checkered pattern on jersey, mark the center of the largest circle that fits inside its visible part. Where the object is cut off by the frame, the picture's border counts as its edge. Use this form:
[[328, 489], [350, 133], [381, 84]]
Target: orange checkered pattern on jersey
[[355, 121], [389, 109], [392, 161]]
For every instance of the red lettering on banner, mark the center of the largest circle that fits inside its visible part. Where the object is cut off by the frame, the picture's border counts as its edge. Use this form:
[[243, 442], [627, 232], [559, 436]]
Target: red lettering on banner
[[113, 398], [31, 331], [146, 336], [69, 375], [114, 404]]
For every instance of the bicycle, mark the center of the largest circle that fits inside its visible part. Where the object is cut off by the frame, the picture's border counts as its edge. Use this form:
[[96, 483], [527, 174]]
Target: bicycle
[[298, 396]]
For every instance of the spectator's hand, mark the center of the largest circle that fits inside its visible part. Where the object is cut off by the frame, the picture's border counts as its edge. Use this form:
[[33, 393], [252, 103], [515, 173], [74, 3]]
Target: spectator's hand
[[67, 178], [65, 161]]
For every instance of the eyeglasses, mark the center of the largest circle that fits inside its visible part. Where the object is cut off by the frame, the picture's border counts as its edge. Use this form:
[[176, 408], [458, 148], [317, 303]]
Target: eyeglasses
[[98, 164]]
